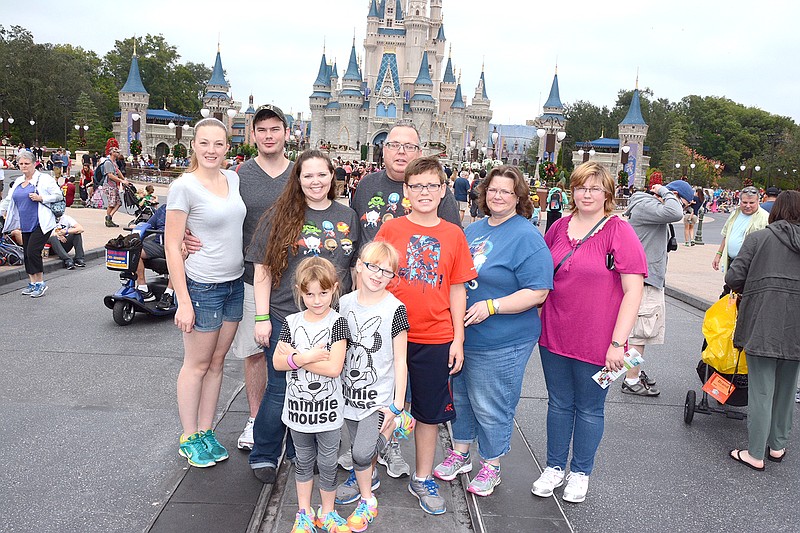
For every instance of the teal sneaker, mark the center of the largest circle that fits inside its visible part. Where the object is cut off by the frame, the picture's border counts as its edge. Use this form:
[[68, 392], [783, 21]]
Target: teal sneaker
[[39, 290], [332, 522], [194, 450], [29, 289], [217, 450]]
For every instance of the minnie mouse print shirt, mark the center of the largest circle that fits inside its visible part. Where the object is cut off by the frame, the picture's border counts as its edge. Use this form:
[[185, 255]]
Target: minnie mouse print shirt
[[313, 403]]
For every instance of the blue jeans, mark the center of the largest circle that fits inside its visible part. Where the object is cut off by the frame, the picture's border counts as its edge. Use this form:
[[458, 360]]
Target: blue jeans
[[575, 411], [268, 429], [215, 302], [486, 393]]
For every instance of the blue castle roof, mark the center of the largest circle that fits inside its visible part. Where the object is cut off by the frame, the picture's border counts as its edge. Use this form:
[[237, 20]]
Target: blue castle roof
[[634, 115], [554, 100], [162, 114], [388, 64], [323, 77], [352, 67], [398, 10], [440, 35], [373, 10], [458, 100], [335, 71], [391, 31], [483, 84], [218, 76], [134, 82], [424, 76], [449, 77]]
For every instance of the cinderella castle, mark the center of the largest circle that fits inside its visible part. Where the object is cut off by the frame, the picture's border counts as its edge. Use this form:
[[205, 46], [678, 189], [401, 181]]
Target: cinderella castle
[[403, 77]]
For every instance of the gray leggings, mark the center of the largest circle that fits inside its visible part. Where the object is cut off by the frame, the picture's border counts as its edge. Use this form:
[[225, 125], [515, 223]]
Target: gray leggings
[[366, 439], [321, 447]]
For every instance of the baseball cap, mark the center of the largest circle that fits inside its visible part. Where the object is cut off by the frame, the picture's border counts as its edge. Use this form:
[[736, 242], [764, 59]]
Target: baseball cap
[[773, 191], [269, 110], [682, 189]]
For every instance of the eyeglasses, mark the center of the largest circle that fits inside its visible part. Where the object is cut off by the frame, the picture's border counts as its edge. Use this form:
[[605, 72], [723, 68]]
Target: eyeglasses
[[417, 187], [590, 190], [372, 267], [407, 147], [501, 192]]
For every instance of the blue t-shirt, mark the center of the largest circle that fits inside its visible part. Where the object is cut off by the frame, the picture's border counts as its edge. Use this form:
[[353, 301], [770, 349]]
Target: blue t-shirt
[[767, 206], [735, 237], [461, 189], [508, 257], [697, 203], [27, 208]]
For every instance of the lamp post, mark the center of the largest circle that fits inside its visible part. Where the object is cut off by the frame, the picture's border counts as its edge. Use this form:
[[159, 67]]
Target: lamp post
[[35, 131], [298, 133], [741, 171], [678, 169], [205, 112], [495, 136], [691, 171], [472, 150], [82, 129], [136, 126]]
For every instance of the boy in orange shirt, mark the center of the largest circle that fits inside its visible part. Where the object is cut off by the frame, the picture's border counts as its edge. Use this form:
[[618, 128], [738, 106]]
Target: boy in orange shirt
[[435, 262]]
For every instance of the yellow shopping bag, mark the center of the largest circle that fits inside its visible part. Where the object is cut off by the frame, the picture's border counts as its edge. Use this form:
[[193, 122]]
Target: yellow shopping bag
[[718, 327]]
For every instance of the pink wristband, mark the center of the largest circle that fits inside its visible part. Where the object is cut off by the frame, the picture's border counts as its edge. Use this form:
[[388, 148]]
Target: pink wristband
[[291, 362]]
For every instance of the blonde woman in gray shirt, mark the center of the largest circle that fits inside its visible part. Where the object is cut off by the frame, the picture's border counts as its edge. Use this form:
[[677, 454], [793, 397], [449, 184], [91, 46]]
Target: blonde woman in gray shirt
[[208, 284]]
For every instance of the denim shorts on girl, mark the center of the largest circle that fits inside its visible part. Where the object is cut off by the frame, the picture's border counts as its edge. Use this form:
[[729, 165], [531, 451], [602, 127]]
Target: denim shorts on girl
[[215, 303]]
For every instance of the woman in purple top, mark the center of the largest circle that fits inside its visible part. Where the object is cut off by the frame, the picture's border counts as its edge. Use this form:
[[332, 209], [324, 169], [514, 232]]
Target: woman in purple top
[[597, 287]]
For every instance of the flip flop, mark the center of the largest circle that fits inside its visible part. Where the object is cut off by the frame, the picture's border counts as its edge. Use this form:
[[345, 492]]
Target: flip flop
[[736, 455], [773, 458]]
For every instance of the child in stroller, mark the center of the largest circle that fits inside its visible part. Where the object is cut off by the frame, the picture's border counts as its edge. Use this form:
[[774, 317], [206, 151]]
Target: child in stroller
[[145, 204]]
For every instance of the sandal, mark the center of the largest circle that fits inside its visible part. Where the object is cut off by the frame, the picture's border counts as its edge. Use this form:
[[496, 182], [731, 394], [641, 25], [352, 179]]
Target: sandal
[[773, 458], [736, 455]]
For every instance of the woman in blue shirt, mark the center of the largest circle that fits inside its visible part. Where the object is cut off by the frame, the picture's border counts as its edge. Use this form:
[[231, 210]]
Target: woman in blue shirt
[[515, 274]]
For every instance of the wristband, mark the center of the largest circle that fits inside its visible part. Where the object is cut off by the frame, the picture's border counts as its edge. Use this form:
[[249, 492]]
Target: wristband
[[395, 411], [490, 305], [719, 254], [262, 318], [291, 362]]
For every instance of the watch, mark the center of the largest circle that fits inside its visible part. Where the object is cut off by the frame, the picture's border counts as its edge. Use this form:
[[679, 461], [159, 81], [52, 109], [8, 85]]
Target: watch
[[496, 304], [615, 344]]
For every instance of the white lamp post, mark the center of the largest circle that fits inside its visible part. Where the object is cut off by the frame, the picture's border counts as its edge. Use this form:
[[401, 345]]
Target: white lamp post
[[205, 112]]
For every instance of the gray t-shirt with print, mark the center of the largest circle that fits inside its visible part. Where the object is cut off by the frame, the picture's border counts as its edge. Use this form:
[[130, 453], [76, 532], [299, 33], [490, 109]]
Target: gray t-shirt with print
[[331, 233], [259, 191], [217, 222], [368, 376], [313, 403], [379, 198]]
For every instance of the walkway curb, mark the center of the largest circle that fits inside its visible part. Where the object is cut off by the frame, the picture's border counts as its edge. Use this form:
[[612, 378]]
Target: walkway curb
[[689, 299], [50, 265]]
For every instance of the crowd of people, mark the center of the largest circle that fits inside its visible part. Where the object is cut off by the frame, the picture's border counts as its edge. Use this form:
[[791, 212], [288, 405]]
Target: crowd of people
[[384, 315]]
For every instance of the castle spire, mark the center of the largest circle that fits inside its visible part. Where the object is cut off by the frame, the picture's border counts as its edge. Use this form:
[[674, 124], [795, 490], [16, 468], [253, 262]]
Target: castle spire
[[218, 75], [352, 67], [634, 115], [134, 82], [554, 99], [424, 76]]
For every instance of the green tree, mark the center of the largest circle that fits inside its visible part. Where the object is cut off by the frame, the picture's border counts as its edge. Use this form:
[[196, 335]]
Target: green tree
[[86, 115]]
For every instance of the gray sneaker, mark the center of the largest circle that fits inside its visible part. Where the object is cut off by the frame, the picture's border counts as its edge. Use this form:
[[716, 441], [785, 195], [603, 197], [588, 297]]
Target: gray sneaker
[[427, 492], [348, 492], [29, 289], [346, 460], [39, 290], [453, 465], [393, 460]]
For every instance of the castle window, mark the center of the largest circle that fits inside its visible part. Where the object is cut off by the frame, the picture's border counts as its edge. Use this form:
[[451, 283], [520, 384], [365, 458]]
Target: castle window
[[380, 110], [391, 112]]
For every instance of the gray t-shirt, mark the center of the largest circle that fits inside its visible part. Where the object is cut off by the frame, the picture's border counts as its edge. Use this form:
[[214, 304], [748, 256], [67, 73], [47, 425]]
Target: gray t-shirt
[[332, 233], [368, 376], [313, 403], [259, 191], [379, 198], [217, 222]]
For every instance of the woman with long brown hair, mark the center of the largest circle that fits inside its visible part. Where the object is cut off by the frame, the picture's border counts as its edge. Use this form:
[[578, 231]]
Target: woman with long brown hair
[[305, 221]]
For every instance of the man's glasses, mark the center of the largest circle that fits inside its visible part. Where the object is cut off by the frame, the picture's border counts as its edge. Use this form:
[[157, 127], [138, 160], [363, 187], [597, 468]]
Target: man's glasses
[[407, 147], [432, 187], [372, 267]]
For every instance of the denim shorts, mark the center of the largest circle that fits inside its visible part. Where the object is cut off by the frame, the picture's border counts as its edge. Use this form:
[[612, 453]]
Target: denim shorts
[[215, 303]]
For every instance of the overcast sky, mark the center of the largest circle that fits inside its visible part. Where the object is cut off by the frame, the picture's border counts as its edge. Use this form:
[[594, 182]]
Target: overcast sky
[[745, 51]]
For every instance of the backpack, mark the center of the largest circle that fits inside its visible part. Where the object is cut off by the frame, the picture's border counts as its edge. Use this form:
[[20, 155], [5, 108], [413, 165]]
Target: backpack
[[99, 177], [473, 191], [555, 202]]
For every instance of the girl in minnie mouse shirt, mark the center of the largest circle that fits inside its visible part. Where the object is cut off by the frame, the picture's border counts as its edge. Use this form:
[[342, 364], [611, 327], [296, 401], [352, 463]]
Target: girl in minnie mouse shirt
[[312, 349], [374, 377]]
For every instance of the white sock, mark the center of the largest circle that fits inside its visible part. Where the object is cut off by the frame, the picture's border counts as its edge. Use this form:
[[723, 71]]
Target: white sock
[[143, 288], [631, 381], [169, 291]]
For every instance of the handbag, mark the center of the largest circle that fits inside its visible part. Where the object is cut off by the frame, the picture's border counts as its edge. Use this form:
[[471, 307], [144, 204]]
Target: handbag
[[58, 207]]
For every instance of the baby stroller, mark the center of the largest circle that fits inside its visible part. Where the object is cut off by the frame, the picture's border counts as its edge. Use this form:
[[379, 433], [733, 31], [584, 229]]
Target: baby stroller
[[10, 252], [141, 210], [720, 356]]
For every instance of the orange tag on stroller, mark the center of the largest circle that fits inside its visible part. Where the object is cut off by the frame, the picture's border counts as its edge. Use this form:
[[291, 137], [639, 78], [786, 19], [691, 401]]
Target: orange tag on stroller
[[719, 387]]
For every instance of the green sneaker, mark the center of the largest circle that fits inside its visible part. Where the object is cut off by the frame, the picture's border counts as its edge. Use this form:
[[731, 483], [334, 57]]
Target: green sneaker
[[194, 450], [217, 450]]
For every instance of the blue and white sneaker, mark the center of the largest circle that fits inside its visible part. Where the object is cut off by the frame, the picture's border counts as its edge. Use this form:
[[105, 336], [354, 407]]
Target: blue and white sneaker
[[39, 290], [27, 291], [348, 492]]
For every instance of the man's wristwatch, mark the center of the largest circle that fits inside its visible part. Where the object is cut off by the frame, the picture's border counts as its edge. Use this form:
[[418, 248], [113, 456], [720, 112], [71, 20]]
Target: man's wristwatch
[[615, 344]]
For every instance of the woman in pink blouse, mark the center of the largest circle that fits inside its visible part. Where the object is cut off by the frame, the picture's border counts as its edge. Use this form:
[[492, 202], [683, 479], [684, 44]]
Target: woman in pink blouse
[[599, 268]]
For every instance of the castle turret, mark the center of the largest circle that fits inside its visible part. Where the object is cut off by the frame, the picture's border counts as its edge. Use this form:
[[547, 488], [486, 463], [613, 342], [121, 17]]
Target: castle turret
[[216, 99], [422, 103], [552, 123], [351, 99], [133, 101], [249, 115], [632, 132], [479, 114], [447, 88], [318, 100]]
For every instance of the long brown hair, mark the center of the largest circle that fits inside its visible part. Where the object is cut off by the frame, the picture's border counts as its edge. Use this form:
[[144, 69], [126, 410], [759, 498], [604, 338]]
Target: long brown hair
[[288, 214]]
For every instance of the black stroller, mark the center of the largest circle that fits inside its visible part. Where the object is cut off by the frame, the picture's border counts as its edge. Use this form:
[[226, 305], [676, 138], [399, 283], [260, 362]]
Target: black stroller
[[11, 253], [140, 209], [715, 329]]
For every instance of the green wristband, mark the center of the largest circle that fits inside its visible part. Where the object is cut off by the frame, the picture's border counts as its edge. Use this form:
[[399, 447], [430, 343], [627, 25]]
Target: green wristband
[[262, 318]]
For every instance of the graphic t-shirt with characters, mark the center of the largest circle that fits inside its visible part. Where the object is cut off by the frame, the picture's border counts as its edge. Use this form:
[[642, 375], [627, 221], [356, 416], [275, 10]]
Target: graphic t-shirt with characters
[[431, 260], [379, 198], [368, 376], [313, 403], [331, 233]]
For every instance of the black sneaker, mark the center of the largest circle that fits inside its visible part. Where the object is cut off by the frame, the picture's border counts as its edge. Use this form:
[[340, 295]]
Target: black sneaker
[[640, 389], [266, 474], [647, 379], [166, 302], [68, 264], [148, 295], [110, 223], [80, 263]]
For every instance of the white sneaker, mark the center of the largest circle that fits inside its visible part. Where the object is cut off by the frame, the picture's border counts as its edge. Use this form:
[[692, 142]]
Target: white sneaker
[[577, 486], [346, 459], [551, 478], [246, 438]]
